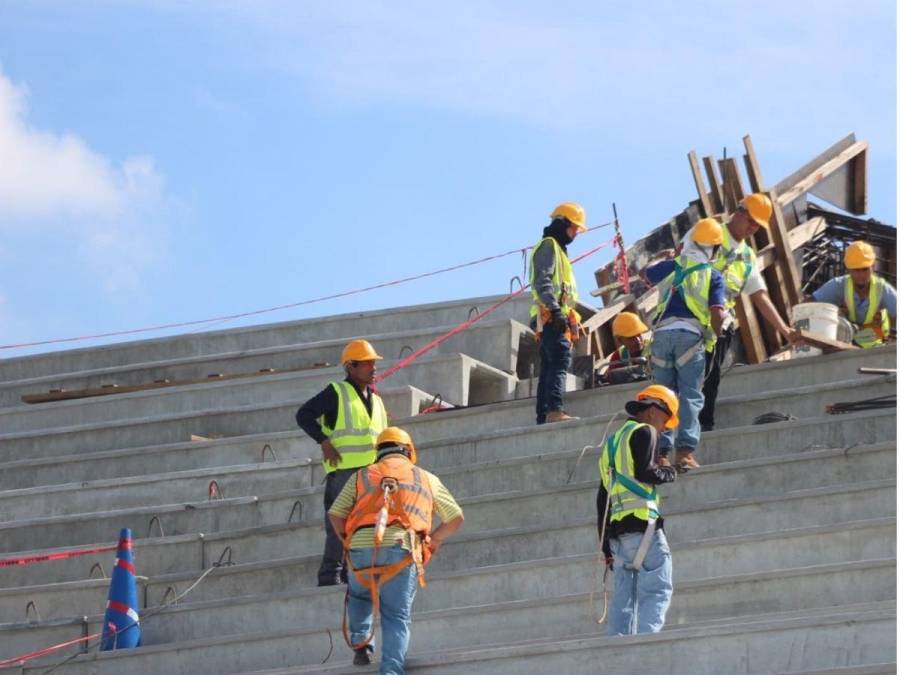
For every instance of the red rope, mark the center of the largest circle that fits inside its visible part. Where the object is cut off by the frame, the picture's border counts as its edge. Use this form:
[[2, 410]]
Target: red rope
[[62, 555], [19, 660], [229, 317]]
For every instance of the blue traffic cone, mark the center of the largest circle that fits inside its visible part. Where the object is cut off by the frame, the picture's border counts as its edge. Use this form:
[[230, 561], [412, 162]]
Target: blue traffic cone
[[121, 624]]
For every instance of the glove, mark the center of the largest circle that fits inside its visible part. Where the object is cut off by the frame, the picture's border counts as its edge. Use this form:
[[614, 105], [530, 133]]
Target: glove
[[558, 321]]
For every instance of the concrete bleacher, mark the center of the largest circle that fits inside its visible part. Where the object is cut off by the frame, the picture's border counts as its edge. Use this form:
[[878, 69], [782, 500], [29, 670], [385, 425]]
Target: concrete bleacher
[[784, 542]]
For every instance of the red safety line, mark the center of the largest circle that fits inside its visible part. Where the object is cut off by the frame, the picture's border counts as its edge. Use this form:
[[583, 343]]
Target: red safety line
[[18, 660], [402, 363], [62, 555], [183, 324]]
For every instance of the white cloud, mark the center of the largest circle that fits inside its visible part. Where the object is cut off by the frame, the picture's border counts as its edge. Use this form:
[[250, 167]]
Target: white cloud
[[54, 185]]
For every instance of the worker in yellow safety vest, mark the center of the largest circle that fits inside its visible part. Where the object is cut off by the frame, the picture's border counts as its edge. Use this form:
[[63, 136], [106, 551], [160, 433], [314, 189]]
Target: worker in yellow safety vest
[[630, 361], [866, 299], [344, 418], [553, 314], [629, 519], [736, 260]]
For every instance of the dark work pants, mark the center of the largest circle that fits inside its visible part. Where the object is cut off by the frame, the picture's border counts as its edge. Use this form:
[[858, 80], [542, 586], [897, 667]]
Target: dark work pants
[[556, 357], [714, 361], [332, 569]]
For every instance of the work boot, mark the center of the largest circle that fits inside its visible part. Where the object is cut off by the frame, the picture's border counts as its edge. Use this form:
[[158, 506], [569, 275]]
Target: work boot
[[684, 461], [362, 657], [559, 416], [664, 461]]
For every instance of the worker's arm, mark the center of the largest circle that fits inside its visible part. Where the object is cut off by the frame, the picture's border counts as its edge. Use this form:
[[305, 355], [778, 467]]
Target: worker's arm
[[603, 532], [717, 310], [342, 506], [448, 511], [338, 524], [717, 317], [445, 530], [643, 451], [763, 303], [325, 403], [544, 264]]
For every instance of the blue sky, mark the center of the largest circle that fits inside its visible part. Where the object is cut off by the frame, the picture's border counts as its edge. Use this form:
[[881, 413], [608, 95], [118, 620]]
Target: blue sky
[[168, 161]]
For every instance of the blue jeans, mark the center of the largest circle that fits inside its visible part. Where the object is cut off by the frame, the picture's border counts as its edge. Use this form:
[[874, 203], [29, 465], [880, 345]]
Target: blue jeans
[[396, 599], [556, 357], [641, 598], [686, 380]]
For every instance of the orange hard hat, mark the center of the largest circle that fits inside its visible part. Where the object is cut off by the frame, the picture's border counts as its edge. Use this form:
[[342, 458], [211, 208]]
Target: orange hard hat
[[628, 324], [660, 394], [859, 255], [359, 350], [572, 212], [759, 208], [707, 232], [400, 437]]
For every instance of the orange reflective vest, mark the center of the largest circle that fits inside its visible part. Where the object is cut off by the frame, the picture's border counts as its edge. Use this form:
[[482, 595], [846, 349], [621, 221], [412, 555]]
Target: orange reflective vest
[[411, 503]]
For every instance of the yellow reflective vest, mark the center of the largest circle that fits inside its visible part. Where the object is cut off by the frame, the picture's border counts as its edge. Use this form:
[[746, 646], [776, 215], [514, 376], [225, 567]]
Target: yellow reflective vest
[[871, 332], [735, 260], [563, 281], [628, 496], [692, 281], [354, 431]]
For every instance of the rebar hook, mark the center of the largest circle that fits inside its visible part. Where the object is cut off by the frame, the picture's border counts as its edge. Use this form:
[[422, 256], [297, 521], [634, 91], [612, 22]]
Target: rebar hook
[[96, 566], [404, 347], [516, 278], [155, 519], [31, 606], [228, 562], [268, 447], [214, 492], [298, 507]]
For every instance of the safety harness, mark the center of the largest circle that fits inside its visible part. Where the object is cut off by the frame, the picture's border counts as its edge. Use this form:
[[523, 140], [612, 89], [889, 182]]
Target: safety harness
[[668, 287]]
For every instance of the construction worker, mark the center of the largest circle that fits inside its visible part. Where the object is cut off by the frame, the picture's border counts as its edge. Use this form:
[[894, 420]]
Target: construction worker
[[736, 260], [553, 314], [384, 516], [688, 320], [344, 418], [628, 514], [868, 301], [628, 363]]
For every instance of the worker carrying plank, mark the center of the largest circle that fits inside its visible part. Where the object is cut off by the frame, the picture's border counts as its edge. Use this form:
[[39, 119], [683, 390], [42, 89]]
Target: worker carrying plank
[[736, 260], [384, 517], [344, 418], [867, 300], [553, 315], [629, 519]]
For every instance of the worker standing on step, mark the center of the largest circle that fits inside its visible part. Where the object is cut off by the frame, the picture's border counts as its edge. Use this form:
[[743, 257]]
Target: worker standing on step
[[628, 514], [688, 320], [384, 516], [345, 418], [632, 351], [868, 301], [553, 314], [736, 260]]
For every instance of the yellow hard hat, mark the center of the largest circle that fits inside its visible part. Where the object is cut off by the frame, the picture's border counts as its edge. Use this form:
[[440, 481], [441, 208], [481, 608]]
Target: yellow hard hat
[[400, 437], [707, 232], [759, 207], [664, 395], [359, 350], [573, 213], [628, 324], [859, 255]]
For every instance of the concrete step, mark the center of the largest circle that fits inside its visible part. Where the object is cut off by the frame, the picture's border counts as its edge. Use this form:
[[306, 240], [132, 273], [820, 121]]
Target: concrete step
[[459, 379], [696, 559], [494, 342], [351, 325], [733, 411], [539, 480]]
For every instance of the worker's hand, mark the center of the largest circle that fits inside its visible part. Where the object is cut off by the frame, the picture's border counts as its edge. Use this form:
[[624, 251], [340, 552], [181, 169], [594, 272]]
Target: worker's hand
[[792, 335], [434, 544], [558, 321], [330, 455]]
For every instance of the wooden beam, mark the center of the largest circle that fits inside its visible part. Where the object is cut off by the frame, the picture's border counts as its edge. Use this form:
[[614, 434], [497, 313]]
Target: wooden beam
[[751, 336], [821, 173], [797, 238], [827, 345], [861, 184], [698, 183], [784, 255], [715, 185], [608, 313], [807, 169], [753, 172]]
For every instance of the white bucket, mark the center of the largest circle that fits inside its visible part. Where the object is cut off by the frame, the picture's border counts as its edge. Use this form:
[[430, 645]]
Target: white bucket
[[821, 318]]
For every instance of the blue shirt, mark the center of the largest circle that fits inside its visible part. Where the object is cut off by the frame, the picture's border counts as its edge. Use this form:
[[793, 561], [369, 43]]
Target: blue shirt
[[676, 307], [832, 291]]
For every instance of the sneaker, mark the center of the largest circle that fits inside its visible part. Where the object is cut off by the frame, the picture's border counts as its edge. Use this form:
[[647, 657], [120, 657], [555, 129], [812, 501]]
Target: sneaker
[[559, 416], [362, 657], [664, 461], [684, 461]]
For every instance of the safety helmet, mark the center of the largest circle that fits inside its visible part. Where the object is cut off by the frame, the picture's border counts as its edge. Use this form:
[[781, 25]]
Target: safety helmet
[[573, 213], [359, 350], [400, 437], [664, 395], [859, 255], [627, 325], [707, 232], [758, 207]]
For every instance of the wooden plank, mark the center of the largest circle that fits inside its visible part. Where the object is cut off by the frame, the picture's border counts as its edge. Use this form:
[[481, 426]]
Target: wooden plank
[[784, 256], [797, 237], [820, 173], [827, 345], [715, 185], [608, 313], [728, 189], [751, 336], [807, 169], [754, 174], [698, 183], [860, 198]]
